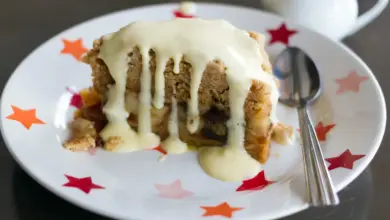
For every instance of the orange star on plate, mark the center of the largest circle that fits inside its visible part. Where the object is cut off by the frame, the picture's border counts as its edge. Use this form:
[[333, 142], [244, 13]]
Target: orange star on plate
[[26, 117], [322, 131], [223, 209], [74, 48], [281, 34]]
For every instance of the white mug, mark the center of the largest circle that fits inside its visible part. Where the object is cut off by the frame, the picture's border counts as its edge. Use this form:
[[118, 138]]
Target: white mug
[[333, 18]]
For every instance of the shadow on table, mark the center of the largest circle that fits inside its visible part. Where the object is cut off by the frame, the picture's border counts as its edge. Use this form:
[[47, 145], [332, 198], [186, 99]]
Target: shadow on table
[[33, 201], [355, 202]]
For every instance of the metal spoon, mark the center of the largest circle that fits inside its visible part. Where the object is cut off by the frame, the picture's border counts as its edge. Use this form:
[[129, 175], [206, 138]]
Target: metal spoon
[[300, 86]]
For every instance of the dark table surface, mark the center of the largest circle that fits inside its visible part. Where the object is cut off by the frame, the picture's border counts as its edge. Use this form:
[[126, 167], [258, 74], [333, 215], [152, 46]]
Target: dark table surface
[[25, 24]]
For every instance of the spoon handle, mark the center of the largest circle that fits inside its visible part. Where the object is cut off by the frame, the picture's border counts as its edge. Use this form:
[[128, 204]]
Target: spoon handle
[[329, 195], [311, 184], [319, 185]]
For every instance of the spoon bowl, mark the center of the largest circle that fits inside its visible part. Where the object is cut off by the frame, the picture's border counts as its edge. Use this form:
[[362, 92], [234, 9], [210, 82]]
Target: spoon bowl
[[303, 72]]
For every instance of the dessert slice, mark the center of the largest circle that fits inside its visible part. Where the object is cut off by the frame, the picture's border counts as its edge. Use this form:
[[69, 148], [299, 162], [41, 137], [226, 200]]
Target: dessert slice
[[186, 81]]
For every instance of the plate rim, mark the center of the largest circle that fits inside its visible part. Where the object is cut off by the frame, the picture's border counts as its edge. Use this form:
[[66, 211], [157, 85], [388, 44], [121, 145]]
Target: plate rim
[[282, 213]]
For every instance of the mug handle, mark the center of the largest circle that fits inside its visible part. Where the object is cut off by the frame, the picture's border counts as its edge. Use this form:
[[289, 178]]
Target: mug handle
[[368, 16]]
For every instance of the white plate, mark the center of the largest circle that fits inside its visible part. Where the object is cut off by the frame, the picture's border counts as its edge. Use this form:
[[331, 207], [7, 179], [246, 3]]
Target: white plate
[[137, 185]]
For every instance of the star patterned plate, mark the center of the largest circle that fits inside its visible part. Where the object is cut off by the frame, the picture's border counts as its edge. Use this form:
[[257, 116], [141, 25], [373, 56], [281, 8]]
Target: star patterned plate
[[43, 92]]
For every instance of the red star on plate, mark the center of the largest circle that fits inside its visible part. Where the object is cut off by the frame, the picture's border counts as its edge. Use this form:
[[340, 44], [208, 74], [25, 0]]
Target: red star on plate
[[350, 83], [223, 209], [26, 117], [159, 149], [74, 48], [346, 160], [186, 10], [76, 100], [282, 34], [256, 183], [179, 14], [84, 184], [322, 130]]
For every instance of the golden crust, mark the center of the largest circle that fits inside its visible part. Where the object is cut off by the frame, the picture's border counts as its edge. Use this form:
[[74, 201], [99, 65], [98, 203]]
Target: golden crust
[[83, 135], [112, 143], [82, 143]]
